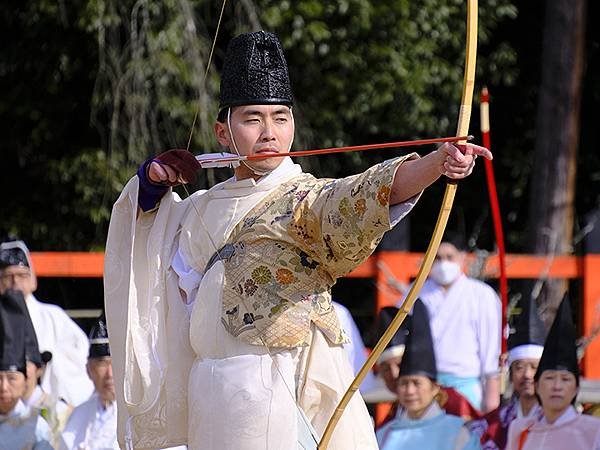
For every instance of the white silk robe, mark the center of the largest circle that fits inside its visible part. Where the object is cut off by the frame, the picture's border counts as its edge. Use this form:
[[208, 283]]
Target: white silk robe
[[185, 379], [65, 376]]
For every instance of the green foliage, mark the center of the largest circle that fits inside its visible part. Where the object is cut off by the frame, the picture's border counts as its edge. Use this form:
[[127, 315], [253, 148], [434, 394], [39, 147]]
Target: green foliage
[[95, 87]]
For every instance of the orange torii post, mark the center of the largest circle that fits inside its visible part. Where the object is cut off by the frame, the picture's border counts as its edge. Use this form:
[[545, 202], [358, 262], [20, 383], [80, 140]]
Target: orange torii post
[[403, 266]]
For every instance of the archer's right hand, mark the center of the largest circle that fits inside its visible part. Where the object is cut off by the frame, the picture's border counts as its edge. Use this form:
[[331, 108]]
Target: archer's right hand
[[172, 168]]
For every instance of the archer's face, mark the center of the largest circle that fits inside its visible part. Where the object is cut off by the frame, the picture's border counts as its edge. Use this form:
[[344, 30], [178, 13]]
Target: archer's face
[[258, 130]]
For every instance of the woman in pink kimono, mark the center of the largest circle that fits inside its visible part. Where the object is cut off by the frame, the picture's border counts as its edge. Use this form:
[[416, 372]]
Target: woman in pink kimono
[[557, 384]]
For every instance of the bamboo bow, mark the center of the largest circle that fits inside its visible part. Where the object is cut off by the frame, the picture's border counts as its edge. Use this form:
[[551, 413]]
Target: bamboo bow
[[462, 129]]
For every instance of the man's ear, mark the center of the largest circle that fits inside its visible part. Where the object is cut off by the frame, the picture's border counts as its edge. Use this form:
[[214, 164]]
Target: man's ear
[[222, 133]]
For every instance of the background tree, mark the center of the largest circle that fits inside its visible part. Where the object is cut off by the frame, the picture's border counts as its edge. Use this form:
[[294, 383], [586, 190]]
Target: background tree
[[552, 197], [93, 87]]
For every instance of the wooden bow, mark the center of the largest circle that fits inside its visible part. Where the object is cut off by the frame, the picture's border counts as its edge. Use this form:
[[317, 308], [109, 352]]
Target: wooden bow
[[440, 226]]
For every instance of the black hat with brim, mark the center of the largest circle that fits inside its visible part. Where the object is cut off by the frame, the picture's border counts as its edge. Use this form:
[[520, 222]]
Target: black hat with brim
[[255, 72], [396, 346], [99, 346], [419, 355], [14, 253], [12, 334], [527, 340], [560, 348]]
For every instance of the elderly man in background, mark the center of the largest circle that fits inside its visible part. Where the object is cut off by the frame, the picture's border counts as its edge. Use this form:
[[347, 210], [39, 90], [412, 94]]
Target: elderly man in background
[[93, 424], [525, 347], [65, 376]]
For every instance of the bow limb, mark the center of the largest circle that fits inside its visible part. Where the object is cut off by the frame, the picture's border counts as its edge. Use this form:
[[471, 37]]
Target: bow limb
[[440, 226]]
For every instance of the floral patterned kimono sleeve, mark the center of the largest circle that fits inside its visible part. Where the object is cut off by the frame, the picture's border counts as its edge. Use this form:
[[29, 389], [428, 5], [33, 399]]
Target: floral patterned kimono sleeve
[[352, 213]]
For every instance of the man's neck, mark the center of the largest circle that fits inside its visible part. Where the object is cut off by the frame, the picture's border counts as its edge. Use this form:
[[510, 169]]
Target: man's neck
[[527, 402], [105, 403]]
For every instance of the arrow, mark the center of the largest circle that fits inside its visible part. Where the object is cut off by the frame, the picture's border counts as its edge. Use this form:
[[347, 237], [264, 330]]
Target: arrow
[[213, 160]]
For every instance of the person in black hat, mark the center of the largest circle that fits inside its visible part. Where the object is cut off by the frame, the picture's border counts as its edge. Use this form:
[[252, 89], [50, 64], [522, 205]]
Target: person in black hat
[[388, 368], [466, 313], [254, 259], [20, 426], [93, 424], [64, 377], [525, 347], [54, 411], [557, 385], [388, 364], [420, 423]]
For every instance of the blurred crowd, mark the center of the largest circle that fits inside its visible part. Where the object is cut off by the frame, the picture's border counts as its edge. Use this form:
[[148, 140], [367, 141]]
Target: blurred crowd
[[441, 370]]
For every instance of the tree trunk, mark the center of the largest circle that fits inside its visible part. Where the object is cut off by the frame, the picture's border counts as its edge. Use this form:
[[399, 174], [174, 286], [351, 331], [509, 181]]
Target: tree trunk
[[557, 138]]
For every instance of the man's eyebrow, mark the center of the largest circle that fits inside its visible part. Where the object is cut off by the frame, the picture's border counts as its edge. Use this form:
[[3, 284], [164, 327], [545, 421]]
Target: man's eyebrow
[[252, 112], [255, 112]]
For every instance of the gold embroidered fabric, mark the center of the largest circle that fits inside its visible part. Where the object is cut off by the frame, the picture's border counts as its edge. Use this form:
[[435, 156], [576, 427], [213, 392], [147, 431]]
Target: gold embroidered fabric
[[286, 254]]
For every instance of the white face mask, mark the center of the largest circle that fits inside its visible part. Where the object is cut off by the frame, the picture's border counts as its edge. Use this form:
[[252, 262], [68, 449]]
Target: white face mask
[[445, 272]]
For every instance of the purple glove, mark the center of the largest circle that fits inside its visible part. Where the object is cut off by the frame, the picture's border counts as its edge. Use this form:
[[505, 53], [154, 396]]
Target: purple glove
[[182, 161]]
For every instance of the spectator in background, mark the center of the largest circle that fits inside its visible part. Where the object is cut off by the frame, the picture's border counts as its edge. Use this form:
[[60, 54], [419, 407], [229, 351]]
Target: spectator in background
[[65, 376], [388, 366], [93, 424], [465, 323], [561, 427], [420, 423], [357, 353], [21, 427], [525, 347], [54, 411]]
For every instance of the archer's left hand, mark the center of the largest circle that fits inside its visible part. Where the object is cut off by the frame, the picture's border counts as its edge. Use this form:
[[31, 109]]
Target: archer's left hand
[[459, 159]]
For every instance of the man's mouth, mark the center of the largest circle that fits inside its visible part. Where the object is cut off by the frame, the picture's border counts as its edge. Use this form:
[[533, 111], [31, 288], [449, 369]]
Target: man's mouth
[[266, 151]]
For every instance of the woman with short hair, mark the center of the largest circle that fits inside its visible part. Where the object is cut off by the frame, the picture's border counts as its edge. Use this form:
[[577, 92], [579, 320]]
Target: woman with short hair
[[557, 385], [420, 422]]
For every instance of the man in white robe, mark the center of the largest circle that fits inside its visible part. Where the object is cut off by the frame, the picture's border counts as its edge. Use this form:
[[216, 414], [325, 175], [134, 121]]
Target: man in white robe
[[65, 376], [222, 330], [93, 424], [465, 316]]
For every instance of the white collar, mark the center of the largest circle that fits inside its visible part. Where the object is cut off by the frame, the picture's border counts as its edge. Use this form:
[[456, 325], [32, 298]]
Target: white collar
[[19, 410], [532, 412], [432, 411], [35, 397], [233, 188], [100, 408], [566, 416]]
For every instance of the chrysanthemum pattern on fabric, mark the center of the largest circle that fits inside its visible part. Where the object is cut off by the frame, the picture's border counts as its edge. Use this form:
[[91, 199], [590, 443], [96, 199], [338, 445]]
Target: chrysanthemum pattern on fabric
[[289, 250]]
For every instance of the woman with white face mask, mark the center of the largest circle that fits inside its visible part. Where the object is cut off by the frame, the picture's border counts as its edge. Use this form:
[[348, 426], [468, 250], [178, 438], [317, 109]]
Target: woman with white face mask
[[465, 319]]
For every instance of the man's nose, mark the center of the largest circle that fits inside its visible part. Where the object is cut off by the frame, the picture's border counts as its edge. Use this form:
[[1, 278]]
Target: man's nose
[[267, 133]]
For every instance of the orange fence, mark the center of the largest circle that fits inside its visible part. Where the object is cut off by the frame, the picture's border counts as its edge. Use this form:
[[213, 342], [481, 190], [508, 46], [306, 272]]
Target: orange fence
[[404, 266]]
